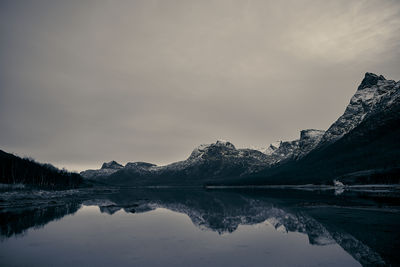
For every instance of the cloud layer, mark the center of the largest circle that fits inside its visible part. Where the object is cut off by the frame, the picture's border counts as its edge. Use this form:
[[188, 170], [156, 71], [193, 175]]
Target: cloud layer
[[84, 82]]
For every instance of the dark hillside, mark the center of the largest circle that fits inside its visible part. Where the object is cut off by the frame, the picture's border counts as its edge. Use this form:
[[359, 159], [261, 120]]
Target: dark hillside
[[15, 170]]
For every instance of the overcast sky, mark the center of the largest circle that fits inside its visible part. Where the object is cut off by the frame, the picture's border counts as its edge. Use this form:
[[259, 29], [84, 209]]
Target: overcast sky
[[83, 82]]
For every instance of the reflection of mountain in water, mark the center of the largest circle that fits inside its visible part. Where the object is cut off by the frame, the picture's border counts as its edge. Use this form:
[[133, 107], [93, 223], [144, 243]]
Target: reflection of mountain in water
[[321, 217], [224, 211]]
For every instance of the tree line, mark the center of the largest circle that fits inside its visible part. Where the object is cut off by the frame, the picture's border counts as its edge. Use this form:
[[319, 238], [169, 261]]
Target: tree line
[[16, 170]]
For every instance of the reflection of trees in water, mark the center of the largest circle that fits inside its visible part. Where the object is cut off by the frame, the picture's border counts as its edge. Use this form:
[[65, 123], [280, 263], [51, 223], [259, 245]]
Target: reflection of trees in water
[[18, 221]]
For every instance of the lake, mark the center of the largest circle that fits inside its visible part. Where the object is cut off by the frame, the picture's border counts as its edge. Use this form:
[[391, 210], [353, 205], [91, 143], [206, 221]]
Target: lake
[[198, 227]]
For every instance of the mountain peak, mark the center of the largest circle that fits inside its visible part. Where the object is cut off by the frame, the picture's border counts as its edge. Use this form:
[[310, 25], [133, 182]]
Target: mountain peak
[[267, 150], [374, 94], [139, 164], [206, 148], [225, 143], [111, 165], [370, 79], [218, 143]]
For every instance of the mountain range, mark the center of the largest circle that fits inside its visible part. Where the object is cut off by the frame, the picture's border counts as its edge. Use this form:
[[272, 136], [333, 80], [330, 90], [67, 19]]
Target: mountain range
[[361, 146]]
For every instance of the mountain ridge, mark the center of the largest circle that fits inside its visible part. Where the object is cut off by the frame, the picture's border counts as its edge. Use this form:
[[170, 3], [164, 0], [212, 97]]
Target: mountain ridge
[[221, 161]]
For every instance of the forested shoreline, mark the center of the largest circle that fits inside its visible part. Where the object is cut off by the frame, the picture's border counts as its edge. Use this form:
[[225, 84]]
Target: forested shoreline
[[16, 170]]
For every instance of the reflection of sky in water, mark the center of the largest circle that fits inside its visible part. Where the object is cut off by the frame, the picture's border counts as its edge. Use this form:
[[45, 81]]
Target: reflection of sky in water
[[162, 238]]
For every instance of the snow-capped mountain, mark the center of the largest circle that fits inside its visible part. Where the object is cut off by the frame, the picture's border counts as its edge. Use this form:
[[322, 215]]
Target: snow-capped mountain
[[373, 94], [295, 149], [269, 149], [206, 161], [309, 139], [141, 166], [112, 165], [225, 153], [286, 150], [218, 159], [107, 169], [221, 160], [362, 146]]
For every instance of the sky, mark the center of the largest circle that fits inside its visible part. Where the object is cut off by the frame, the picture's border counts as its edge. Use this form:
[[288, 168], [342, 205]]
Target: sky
[[85, 82]]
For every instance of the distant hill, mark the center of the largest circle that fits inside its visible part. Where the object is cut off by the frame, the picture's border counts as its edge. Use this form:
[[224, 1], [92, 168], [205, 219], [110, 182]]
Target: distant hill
[[14, 170]]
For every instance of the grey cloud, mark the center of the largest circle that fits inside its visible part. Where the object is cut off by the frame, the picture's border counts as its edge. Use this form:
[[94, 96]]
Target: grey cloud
[[83, 82]]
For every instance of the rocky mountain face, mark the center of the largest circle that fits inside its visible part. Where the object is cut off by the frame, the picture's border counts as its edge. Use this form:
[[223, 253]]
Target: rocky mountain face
[[107, 169], [309, 139], [269, 149], [113, 165], [219, 159], [295, 149], [374, 94], [286, 150], [206, 161], [362, 146], [215, 162]]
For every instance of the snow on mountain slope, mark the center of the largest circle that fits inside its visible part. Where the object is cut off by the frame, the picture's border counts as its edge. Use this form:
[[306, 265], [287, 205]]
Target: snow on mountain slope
[[112, 165], [107, 169], [286, 150], [221, 153], [222, 158], [309, 139], [217, 158], [297, 148], [268, 150], [213, 159], [373, 94]]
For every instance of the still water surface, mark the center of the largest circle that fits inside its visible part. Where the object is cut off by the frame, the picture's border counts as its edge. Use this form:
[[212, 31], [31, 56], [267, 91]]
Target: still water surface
[[203, 228]]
